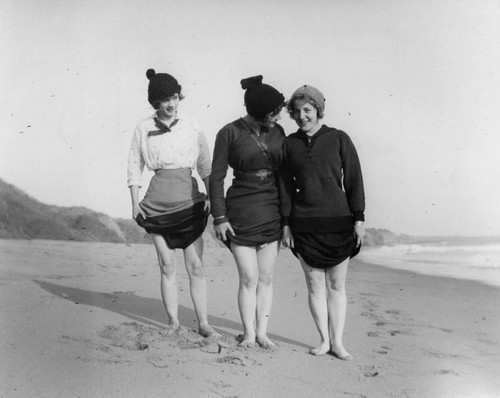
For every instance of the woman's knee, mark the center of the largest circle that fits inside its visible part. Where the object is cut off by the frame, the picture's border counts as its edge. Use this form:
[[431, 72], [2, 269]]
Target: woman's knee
[[336, 285], [195, 268], [265, 278], [167, 268], [317, 290], [249, 281]]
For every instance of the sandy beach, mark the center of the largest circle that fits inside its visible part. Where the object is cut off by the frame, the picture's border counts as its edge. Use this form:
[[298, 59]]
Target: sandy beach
[[86, 320]]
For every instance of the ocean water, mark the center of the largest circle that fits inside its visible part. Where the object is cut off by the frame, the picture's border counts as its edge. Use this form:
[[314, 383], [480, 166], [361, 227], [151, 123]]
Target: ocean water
[[478, 261]]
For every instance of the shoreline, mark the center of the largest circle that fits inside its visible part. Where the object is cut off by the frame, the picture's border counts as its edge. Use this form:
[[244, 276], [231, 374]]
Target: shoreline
[[76, 314], [429, 265]]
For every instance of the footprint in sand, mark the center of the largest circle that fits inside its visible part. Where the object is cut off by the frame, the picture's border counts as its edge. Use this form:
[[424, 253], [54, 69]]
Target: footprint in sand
[[235, 360], [442, 355], [159, 361], [369, 371], [128, 335], [447, 372]]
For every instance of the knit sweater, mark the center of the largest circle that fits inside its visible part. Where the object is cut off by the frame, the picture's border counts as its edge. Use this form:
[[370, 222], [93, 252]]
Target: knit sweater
[[321, 185]]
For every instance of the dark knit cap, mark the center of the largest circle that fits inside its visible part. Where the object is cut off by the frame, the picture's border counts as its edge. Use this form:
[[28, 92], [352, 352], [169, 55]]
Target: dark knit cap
[[260, 99], [161, 86]]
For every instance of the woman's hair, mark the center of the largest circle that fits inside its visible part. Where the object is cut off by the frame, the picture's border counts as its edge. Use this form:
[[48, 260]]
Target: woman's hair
[[266, 116], [156, 104], [306, 98]]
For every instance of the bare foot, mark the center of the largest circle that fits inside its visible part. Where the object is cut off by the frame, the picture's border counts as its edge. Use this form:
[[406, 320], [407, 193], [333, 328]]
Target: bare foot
[[322, 349], [171, 329], [266, 343], [341, 353], [246, 341], [208, 331]]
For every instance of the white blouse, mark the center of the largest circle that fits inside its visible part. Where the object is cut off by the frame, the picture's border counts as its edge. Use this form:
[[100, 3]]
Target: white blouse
[[185, 146]]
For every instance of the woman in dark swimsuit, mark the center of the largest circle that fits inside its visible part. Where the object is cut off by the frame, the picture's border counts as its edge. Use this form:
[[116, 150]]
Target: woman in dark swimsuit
[[248, 218], [323, 203]]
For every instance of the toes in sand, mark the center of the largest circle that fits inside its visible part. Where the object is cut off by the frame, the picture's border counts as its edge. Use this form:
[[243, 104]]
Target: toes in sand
[[171, 330], [341, 353], [208, 331], [246, 341], [322, 349], [266, 343]]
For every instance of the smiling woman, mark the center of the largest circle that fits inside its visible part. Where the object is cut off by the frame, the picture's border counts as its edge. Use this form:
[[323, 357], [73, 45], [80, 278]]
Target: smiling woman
[[174, 212], [322, 201]]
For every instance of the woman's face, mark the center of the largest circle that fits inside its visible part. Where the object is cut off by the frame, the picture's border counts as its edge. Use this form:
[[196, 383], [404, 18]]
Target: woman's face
[[272, 118], [168, 108], [305, 115]]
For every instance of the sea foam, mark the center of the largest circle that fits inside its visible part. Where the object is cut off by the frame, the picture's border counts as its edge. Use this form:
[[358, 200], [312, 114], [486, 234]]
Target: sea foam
[[478, 261]]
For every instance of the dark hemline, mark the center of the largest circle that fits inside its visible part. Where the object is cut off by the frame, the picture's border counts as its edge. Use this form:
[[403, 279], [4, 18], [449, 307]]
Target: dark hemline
[[179, 229], [321, 224]]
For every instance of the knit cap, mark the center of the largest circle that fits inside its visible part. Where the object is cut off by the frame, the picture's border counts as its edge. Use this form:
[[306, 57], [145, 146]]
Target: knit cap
[[310, 92], [161, 86], [260, 99]]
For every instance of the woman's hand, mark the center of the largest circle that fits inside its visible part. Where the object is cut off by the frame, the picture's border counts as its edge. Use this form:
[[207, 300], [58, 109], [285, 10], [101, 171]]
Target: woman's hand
[[359, 230], [287, 237], [207, 205], [222, 230], [136, 210]]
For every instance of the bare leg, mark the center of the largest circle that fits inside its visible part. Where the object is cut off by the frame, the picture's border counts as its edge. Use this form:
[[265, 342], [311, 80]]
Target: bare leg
[[337, 307], [266, 259], [168, 281], [193, 255], [246, 261], [316, 287]]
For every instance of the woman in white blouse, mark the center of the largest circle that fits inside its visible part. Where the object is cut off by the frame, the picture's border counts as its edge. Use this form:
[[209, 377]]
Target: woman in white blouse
[[174, 212]]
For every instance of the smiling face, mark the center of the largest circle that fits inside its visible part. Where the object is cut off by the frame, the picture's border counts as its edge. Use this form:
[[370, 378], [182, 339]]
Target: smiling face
[[306, 116], [167, 109]]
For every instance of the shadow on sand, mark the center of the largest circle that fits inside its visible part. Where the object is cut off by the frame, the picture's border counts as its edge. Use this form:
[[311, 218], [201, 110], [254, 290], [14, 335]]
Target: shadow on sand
[[147, 310]]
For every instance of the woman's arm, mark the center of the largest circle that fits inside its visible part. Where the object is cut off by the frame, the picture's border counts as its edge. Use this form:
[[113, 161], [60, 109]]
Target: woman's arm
[[206, 182], [134, 172], [134, 195], [285, 188], [220, 164], [353, 179], [219, 171], [353, 184]]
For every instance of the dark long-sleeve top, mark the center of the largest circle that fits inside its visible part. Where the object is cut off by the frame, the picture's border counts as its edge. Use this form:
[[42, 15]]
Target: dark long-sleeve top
[[321, 185], [235, 147]]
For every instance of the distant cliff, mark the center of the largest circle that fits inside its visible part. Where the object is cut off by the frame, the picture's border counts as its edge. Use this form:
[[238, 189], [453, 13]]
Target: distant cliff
[[23, 217]]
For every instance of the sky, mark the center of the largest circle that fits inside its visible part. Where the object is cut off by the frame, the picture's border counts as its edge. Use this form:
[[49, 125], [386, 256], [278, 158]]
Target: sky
[[415, 84]]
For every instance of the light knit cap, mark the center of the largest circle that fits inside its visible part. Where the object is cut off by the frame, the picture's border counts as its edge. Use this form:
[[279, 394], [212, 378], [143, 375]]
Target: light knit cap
[[311, 92]]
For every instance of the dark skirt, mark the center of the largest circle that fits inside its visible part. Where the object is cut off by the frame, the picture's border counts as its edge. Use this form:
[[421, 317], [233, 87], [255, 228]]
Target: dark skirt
[[253, 211], [324, 250], [174, 208], [179, 229]]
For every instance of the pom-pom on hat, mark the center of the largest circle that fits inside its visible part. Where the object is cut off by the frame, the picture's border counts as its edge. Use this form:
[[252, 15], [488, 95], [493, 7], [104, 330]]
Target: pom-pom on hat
[[309, 92], [260, 99], [161, 86]]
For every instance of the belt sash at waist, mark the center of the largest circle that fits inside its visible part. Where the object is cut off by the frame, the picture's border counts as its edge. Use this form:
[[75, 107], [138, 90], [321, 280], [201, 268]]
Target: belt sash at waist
[[254, 175]]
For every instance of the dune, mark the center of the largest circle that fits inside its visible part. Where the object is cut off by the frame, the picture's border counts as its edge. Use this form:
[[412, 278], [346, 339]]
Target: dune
[[85, 319]]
